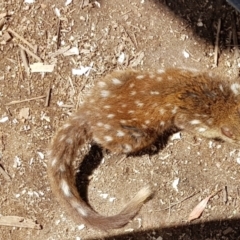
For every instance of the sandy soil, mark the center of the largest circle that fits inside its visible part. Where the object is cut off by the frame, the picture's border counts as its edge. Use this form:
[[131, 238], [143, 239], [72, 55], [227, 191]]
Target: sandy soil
[[113, 35]]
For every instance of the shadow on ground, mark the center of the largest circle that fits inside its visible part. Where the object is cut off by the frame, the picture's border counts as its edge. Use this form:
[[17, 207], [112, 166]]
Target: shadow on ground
[[202, 17], [226, 229]]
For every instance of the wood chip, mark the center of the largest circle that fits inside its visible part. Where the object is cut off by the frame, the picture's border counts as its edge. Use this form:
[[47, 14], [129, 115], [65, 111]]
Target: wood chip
[[40, 67], [25, 61], [15, 221], [4, 173], [6, 36], [3, 15]]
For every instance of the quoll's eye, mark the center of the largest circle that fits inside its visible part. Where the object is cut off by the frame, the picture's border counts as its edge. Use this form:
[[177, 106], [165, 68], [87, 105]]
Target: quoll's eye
[[227, 132]]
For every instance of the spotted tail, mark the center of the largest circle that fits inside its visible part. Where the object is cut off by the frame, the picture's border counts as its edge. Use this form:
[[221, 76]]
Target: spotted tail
[[62, 153]]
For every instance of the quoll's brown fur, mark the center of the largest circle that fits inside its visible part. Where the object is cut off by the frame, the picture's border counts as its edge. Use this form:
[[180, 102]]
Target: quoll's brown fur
[[125, 112]]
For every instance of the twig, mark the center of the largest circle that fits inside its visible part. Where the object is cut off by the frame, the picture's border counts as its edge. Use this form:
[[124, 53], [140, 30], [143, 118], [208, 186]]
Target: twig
[[217, 44], [24, 60], [126, 12], [174, 204], [30, 53], [48, 96], [20, 75], [121, 160], [66, 106], [15, 221], [21, 38], [169, 210], [225, 195], [25, 100], [3, 172], [71, 83], [58, 33], [135, 40], [82, 4]]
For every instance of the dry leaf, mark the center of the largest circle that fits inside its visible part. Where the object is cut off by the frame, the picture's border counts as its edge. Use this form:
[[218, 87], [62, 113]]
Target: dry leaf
[[198, 210]]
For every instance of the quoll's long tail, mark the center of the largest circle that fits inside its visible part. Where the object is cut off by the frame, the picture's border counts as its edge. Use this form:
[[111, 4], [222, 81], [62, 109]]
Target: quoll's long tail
[[63, 151]]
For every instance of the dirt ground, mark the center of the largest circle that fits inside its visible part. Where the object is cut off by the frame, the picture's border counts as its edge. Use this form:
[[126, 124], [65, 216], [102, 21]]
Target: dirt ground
[[142, 34]]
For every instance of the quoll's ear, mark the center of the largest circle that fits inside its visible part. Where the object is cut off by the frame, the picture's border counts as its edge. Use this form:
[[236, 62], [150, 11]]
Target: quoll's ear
[[227, 132]]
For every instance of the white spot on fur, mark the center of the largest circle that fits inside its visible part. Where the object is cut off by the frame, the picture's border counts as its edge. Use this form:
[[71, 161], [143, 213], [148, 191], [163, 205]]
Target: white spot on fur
[[62, 168], [154, 92], [162, 111], [107, 107], [139, 103], [235, 87], [102, 84], [124, 105], [120, 133], [123, 121], [210, 121], [105, 93], [107, 126], [127, 148], [140, 77], [221, 87], [108, 138], [66, 125], [131, 111], [162, 123], [160, 71], [195, 121], [110, 115], [63, 137], [78, 207], [81, 211], [174, 110], [65, 188], [147, 121], [54, 161], [116, 81], [131, 85], [99, 124], [202, 129], [132, 93], [159, 79]]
